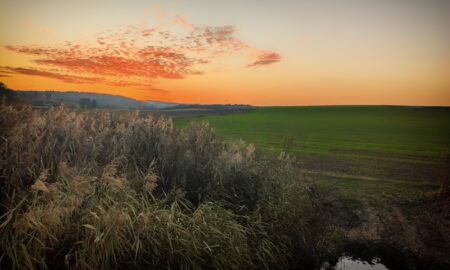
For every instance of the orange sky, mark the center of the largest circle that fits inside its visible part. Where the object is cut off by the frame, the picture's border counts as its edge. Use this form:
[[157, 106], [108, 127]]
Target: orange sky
[[256, 52]]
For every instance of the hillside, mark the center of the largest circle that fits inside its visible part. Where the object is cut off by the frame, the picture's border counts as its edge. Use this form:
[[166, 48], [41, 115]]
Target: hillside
[[51, 98], [44, 99]]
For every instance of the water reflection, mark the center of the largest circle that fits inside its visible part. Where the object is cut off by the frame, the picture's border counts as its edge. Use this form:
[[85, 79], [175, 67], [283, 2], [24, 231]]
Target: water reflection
[[349, 263], [365, 256]]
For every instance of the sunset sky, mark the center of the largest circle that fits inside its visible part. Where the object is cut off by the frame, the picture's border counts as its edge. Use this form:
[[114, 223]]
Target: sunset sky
[[247, 52]]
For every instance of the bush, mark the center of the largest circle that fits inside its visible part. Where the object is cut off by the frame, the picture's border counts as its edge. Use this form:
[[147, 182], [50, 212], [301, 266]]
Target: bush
[[107, 189]]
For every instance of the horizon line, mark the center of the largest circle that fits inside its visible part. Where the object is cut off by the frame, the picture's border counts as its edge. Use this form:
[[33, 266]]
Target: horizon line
[[248, 104]]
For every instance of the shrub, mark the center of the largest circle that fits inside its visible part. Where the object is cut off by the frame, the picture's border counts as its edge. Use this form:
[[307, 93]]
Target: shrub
[[99, 189]]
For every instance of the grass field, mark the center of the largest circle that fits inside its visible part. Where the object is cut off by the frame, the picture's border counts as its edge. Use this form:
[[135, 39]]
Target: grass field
[[388, 142]]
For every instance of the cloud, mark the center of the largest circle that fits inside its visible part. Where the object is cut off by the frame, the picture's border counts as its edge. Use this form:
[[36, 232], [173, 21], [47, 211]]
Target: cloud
[[136, 56], [215, 41], [5, 73], [142, 86], [265, 58], [77, 79], [52, 75], [149, 62], [178, 20]]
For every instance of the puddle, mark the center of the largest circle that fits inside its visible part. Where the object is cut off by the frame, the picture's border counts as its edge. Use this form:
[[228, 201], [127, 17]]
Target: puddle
[[369, 256], [350, 263]]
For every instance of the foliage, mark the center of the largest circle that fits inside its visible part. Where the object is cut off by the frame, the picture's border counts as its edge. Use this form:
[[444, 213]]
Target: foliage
[[6, 94], [86, 103], [348, 140], [99, 189]]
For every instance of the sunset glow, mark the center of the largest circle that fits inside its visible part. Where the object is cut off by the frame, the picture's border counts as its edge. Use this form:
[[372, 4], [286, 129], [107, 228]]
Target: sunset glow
[[248, 52]]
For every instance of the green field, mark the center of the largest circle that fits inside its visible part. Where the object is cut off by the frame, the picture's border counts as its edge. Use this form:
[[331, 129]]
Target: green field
[[380, 142]]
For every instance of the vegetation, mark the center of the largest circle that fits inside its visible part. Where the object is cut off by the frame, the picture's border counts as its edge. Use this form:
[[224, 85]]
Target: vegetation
[[380, 142], [389, 129], [389, 165], [104, 189], [99, 189], [6, 94], [86, 103]]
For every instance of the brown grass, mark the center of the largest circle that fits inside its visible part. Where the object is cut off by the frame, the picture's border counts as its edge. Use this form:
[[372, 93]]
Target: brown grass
[[106, 190]]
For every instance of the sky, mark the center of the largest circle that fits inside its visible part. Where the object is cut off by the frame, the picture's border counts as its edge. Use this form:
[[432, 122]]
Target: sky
[[391, 52]]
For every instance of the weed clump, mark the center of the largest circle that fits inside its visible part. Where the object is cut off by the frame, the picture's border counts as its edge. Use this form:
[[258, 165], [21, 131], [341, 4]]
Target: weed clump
[[106, 189]]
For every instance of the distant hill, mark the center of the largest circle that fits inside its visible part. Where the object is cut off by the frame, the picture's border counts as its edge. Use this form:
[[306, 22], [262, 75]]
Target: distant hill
[[160, 105], [75, 99], [72, 99], [211, 106], [196, 110]]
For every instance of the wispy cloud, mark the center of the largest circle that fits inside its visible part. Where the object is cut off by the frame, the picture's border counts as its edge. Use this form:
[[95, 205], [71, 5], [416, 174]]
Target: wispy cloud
[[137, 56], [265, 58], [5, 73], [77, 79], [179, 20], [53, 75]]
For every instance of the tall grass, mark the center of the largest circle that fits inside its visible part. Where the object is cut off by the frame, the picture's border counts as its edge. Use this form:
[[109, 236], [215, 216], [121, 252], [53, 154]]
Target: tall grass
[[106, 189]]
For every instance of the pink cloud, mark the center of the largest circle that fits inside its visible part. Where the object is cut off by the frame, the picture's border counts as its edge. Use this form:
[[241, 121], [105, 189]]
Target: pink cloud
[[265, 58], [53, 75], [138, 55]]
